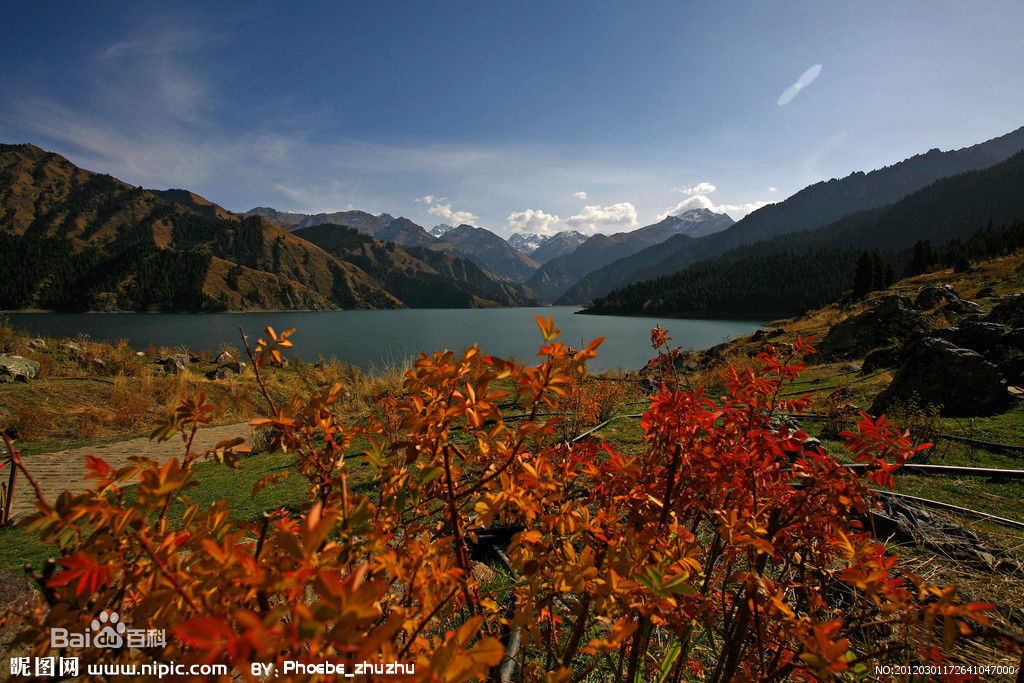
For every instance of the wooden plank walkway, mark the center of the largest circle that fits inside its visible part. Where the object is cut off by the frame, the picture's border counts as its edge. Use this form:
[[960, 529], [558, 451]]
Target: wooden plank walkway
[[65, 470]]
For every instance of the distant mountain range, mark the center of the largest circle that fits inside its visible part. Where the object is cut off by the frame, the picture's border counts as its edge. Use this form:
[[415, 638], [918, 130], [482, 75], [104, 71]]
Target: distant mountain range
[[812, 207], [71, 239], [543, 248], [479, 245], [418, 276], [490, 251], [558, 274], [799, 270]]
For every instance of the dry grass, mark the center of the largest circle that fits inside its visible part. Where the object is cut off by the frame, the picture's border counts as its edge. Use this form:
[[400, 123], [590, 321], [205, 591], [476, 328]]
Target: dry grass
[[105, 391]]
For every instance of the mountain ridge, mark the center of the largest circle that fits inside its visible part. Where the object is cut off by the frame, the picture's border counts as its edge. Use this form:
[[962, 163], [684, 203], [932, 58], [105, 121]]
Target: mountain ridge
[[814, 206], [806, 269], [77, 240], [554, 277]]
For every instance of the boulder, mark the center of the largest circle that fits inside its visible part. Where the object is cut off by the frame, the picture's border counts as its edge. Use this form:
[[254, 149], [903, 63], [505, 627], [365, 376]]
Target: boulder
[[987, 293], [975, 335], [1009, 311], [888, 322], [174, 363], [887, 357], [37, 343], [907, 523], [962, 307], [71, 347], [226, 370], [1012, 368], [16, 368], [930, 297], [1014, 339], [937, 372], [224, 357]]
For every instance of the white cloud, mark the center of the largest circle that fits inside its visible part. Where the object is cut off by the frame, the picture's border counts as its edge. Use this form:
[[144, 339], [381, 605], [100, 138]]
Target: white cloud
[[533, 220], [613, 217], [773, 189], [698, 199], [580, 195], [735, 211], [426, 199], [805, 80], [451, 216], [700, 188]]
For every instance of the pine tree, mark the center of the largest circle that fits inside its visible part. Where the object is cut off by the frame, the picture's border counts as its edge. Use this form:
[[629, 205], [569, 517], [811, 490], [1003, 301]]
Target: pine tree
[[863, 277]]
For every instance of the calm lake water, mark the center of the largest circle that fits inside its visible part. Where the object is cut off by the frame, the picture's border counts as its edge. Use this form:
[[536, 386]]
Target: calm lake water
[[371, 339]]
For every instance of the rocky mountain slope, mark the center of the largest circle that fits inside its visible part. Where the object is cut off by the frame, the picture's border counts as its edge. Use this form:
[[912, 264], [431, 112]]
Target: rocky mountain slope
[[812, 207], [806, 269], [543, 248], [479, 245], [98, 243], [71, 239], [557, 275], [418, 276], [490, 251]]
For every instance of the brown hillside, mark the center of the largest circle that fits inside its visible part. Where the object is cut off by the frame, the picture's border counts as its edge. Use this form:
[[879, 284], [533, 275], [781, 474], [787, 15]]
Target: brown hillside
[[43, 195]]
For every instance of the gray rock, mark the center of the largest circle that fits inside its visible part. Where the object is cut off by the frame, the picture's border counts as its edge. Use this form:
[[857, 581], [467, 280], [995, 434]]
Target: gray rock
[[1014, 339], [881, 358], [224, 357], [962, 307], [73, 347], [1009, 311], [907, 523], [1012, 368], [987, 293], [226, 370], [975, 335], [890, 321], [930, 297], [175, 363], [16, 368], [936, 371], [37, 343]]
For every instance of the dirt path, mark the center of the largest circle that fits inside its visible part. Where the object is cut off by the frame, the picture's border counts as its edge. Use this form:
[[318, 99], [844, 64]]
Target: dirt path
[[64, 470]]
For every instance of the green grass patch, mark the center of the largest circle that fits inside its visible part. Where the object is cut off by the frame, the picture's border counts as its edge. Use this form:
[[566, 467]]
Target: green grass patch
[[216, 482]]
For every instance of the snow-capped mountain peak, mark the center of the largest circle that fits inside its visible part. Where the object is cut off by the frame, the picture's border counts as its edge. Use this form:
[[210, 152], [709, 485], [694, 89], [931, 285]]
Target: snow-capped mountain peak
[[441, 229]]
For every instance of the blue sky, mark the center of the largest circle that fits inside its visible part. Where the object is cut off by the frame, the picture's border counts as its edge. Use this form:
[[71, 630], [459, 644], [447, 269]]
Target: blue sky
[[598, 116]]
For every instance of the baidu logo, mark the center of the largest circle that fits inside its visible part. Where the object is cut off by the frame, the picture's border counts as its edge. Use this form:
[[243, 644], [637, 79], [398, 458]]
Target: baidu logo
[[108, 630]]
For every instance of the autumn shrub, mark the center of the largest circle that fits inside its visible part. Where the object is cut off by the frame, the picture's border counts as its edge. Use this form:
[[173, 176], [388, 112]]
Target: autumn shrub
[[722, 551], [7, 334], [25, 420], [920, 418], [838, 412]]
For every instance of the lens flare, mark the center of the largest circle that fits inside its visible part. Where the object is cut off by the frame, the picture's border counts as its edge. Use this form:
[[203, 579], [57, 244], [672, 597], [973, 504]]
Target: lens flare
[[806, 78]]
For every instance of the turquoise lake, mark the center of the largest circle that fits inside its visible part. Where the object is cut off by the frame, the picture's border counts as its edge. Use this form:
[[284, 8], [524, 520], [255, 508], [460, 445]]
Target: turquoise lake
[[372, 339]]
